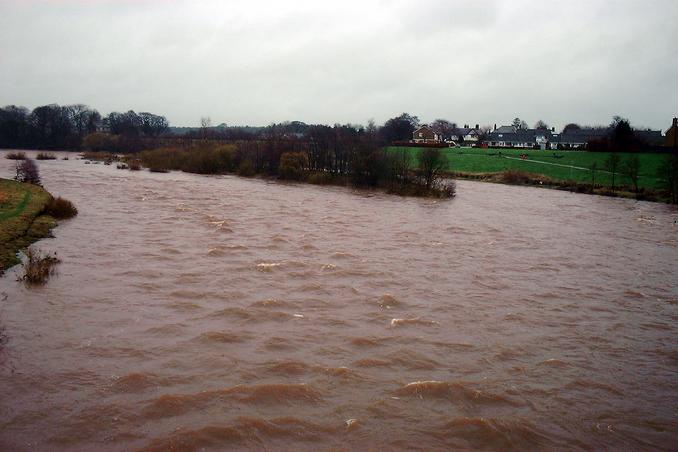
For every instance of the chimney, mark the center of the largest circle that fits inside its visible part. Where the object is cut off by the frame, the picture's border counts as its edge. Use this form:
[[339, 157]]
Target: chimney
[[495, 127], [675, 122], [477, 126], [553, 129]]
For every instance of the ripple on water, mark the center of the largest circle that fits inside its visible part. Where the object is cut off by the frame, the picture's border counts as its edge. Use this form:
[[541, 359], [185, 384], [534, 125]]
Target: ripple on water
[[170, 405], [457, 392], [492, 433], [245, 433]]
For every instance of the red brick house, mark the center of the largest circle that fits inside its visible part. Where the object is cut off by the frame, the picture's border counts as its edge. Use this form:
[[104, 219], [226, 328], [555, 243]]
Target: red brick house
[[425, 134]]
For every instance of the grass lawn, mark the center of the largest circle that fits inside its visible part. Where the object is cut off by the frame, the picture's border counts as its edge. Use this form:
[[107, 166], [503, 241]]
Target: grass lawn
[[21, 222], [570, 165]]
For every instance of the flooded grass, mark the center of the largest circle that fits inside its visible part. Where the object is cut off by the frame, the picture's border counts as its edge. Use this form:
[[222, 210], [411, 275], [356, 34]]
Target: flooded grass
[[24, 219]]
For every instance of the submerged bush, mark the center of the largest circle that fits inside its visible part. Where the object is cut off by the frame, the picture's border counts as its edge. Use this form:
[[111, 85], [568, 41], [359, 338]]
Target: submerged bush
[[16, 156], [203, 159], [27, 172], [61, 208], [45, 156], [38, 267], [98, 156]]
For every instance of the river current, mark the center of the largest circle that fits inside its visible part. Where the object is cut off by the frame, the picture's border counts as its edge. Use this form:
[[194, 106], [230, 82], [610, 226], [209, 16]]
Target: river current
[[193, 312]]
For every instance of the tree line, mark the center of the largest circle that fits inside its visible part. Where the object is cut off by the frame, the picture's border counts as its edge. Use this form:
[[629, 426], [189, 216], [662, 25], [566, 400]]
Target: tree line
[[67, 127]]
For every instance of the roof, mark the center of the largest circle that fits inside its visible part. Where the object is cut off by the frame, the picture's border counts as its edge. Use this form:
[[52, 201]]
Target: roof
[[651, 137], [521, 136]]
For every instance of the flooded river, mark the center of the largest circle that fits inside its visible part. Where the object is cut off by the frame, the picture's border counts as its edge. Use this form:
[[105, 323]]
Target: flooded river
[[196, 312]]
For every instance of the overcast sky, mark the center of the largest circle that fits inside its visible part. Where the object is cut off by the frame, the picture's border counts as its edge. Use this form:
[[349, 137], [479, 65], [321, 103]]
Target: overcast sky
[[262, 61]]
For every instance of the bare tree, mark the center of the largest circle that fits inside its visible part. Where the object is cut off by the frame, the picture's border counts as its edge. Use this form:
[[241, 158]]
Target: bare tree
[[443, 127], [612, 165], [519, 124], [432, 162], [631, 167], [541, 125], [27, 172], [594, 168], [668, 172]]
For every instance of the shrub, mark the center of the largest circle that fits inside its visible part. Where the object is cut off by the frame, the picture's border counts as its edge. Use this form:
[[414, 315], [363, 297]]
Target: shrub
[[98, 156], [246, 168], [448, 189], [134, 165], [513, 176], [61, 208], [45, 156], [100, 142], [38, 267], [27, 172], [204, 159], [16, 156], [319, 178], [292, 165]]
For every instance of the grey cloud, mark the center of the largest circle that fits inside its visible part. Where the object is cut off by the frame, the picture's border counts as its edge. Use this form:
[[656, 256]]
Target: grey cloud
[[257, 61]]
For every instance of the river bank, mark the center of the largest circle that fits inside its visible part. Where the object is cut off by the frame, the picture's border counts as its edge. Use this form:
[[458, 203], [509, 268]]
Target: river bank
[[22, 219], [517, 177]]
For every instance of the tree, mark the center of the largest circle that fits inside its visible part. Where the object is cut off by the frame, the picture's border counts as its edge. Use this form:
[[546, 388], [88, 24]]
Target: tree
[[13, 126], [622, 136], [399, 168], [399, 128], [541, 125], [51, 127], [571, 127], [612, 165], [631, 167], [594, 168], [152, 125], [443, 127], [84, 119], [27, 172], [668, 173], [432, 162], [519, 124], [127, 124], [483, 134]]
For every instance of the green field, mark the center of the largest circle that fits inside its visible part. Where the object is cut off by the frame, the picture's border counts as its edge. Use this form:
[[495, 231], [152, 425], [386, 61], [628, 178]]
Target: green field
[[557, 165]]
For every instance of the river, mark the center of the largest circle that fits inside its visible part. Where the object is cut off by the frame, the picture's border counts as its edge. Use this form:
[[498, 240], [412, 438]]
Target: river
[[196, 312]]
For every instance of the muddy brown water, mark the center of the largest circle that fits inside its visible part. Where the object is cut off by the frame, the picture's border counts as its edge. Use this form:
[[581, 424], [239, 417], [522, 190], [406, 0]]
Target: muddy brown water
[[195, 312]]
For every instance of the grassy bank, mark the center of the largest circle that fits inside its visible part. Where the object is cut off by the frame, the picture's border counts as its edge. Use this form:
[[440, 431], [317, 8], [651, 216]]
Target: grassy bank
[[557, 166], [22, 219]]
